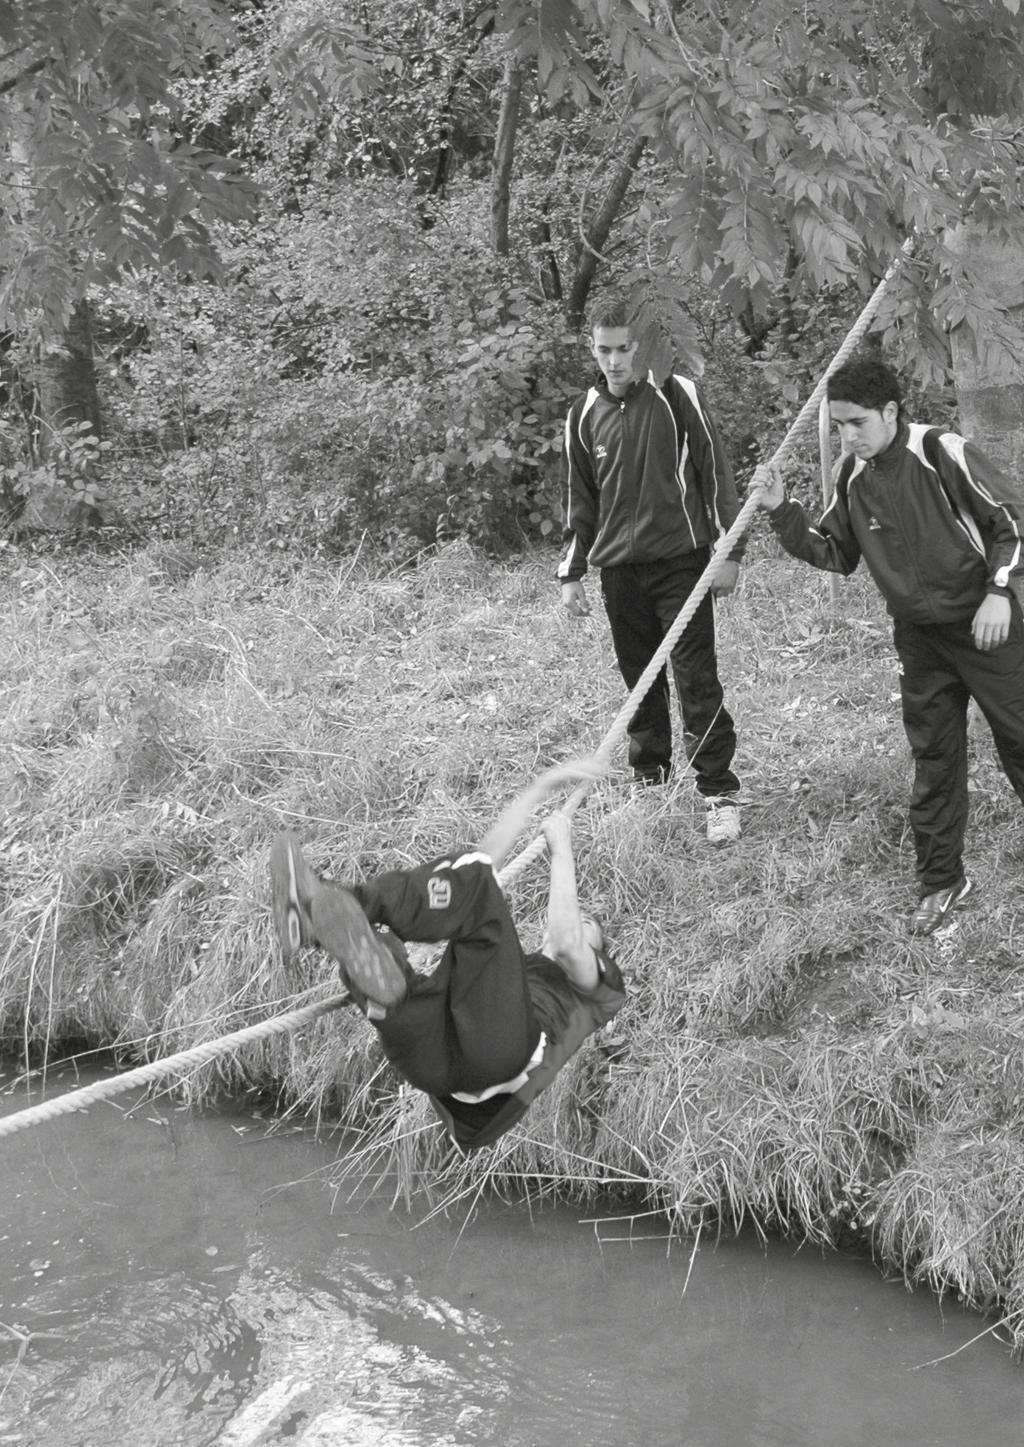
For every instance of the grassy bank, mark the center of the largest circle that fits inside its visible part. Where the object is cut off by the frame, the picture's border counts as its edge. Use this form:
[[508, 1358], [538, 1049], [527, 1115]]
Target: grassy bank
[[789, 1053]]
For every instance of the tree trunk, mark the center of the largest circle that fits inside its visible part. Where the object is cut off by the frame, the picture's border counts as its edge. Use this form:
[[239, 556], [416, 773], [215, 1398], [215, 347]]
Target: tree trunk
[[67, 411], [990, 397], [504, 154], [548, 274], [68, 394]]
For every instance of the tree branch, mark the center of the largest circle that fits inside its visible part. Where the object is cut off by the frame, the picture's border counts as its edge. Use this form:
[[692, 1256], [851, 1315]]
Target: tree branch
[[594, 239]]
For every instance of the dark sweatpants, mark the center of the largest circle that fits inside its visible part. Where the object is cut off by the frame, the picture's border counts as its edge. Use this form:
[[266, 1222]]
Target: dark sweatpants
[[471, 1023], [642, 601], [940, 671]]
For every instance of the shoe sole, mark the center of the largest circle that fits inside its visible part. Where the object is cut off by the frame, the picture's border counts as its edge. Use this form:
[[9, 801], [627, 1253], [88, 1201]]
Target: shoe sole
[[291, 880], [945, 915], [365, 963]]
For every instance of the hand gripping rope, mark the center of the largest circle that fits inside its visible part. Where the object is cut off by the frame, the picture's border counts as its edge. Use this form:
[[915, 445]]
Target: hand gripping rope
[[75, 1100]]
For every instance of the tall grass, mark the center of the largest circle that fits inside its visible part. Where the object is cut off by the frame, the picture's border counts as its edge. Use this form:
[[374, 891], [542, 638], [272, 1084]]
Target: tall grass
[[789, 1055]]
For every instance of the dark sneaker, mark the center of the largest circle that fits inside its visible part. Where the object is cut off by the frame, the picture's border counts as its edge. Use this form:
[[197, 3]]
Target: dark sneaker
[[652, 778], [935, 909], [293, 885], [365, 963]]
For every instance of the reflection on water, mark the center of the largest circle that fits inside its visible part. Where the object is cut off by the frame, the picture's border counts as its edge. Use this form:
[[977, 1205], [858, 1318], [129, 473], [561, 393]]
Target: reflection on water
[[170, 1279]]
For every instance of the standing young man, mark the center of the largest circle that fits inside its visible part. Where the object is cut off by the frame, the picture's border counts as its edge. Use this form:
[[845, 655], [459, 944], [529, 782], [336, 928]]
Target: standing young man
[[941, 530], [492, 1026], [648, 493]]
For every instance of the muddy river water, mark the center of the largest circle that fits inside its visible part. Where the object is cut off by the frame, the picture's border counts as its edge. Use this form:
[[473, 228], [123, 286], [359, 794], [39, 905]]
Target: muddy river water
[[176, 1280]]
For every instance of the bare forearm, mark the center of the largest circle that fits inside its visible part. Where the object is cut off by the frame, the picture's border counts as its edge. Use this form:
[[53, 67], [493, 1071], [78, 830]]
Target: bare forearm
[[566, 941], [564, 926]]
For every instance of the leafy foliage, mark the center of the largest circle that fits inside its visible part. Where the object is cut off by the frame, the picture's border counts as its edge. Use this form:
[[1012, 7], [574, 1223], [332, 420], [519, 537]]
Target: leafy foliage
[[399, 398], [367, 365], [68, 474], [97, 177]]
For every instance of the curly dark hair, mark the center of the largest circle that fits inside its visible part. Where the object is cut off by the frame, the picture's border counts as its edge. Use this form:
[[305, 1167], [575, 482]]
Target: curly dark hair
[[866, 381]]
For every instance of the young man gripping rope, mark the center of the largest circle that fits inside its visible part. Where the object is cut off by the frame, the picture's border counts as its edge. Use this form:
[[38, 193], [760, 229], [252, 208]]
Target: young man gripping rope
[[648, 492], [941, 530], [491, 1026]]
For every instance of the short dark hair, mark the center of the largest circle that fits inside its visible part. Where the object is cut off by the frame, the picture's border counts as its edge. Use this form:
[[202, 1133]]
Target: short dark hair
[[610, 311], [866, 381]]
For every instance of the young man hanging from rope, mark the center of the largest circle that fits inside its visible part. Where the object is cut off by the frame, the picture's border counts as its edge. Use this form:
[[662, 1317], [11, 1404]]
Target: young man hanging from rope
[[941, 530], [491, 1027], [648, 492]]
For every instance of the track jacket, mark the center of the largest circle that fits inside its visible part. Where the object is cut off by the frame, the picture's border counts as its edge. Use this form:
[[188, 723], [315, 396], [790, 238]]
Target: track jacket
[[936, 522], [646, 477], [586, 1013]]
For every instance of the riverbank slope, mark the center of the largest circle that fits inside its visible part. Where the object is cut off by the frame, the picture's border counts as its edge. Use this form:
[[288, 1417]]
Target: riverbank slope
[[789, 1055]]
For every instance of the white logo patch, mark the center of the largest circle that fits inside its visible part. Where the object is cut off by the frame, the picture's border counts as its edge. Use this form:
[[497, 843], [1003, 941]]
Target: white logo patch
[[439, 893]]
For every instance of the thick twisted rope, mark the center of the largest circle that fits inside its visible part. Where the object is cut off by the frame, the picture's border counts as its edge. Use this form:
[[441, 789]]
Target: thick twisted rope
[[720, 556], [157, 1069]]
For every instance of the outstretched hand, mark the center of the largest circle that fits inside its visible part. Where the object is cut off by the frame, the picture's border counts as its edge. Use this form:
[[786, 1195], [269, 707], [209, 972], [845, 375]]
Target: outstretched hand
[[768, 487]]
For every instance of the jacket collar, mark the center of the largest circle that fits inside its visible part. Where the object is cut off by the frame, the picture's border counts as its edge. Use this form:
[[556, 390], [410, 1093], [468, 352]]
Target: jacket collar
[[630, 392], [888, 462]]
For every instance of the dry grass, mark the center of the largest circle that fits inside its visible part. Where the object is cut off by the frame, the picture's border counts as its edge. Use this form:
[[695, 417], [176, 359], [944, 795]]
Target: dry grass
[[789, 1054]]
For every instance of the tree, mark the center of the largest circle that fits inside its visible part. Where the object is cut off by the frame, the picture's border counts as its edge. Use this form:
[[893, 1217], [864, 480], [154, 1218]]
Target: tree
[[784, 151], [98, 175], [443, 185], [800, 148], [99, 178]]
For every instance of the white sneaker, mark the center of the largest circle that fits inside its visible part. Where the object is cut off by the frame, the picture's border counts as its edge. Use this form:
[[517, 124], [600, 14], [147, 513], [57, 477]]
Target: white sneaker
[[723, 822]]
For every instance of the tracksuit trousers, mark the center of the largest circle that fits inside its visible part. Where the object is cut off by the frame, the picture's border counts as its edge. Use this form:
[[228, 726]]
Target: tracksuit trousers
[[471, 1022], [940, 670], [642, 601]]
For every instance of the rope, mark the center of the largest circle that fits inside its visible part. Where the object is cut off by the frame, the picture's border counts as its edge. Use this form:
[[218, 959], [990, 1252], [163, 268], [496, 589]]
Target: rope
[[720, 556], [156, 1069]]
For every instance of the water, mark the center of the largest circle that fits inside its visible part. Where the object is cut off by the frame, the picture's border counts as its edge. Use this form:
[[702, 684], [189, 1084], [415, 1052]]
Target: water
[[174, 1279]]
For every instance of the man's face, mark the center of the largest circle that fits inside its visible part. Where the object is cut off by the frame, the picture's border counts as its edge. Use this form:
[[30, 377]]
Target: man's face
[[865, 431], [614, 349]]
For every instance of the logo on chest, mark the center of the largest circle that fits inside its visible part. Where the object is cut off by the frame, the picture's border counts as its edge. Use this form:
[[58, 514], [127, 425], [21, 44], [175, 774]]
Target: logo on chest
[[439, 893]]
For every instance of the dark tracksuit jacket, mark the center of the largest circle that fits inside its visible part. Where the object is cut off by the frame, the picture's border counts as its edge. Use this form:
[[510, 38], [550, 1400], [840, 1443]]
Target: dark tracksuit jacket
[[646, 477], [938, 526], [648, 493]]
